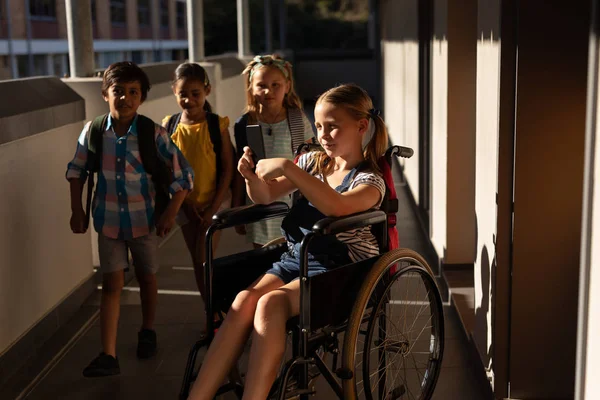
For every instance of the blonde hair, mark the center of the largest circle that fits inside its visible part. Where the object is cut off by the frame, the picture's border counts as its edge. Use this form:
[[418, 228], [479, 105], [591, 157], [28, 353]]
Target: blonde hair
[[356, 101], [291, 99]]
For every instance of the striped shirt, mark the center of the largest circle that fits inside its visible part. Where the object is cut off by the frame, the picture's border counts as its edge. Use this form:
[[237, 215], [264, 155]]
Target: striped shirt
[[361, 242], [278, 143], [123, 206]]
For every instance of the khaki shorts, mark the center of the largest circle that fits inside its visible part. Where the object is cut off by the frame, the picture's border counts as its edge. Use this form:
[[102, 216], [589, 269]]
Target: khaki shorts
[[114, 256]]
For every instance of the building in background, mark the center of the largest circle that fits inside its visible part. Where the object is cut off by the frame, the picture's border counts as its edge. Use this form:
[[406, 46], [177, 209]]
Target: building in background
[[139, 30]]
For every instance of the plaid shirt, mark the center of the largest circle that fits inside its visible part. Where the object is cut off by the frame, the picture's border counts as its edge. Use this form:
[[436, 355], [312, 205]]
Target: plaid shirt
[[123, 206]]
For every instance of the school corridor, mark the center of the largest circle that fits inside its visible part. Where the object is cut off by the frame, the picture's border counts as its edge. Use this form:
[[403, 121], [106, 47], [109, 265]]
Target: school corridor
[[180, 319]]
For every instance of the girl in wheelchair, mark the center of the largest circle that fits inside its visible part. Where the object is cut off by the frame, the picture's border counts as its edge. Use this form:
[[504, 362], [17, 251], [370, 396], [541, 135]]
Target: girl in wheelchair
[[342, 179]]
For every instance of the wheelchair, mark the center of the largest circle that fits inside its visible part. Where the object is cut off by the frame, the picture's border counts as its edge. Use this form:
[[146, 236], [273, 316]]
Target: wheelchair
[[381, 318]]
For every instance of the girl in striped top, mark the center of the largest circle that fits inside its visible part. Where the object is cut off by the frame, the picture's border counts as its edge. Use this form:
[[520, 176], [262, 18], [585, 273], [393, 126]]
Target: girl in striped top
[[341, 180], [273, 104]]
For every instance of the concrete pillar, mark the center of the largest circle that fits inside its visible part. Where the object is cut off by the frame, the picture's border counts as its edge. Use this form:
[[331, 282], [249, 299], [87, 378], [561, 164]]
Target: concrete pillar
[[195, 19], [133, 26], [268, 28], [372, 25], [282, 24], [172, 19], [243, 28], [81, 42], [30, 69], [11, 54], [50, 64], [155, 24]]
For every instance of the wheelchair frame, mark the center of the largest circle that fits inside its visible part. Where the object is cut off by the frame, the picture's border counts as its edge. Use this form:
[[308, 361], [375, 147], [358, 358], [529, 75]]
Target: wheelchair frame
[[305, 345]]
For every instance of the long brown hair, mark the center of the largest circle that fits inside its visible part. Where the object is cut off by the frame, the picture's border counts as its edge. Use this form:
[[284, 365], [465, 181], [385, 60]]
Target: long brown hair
[[356, 101], [291, 99]]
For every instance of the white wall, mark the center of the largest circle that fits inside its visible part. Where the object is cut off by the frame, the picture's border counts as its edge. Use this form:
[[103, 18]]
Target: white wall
[[42, 260], [400, 51], [591, 346], [486, 170], [439, 127], [592, 386]]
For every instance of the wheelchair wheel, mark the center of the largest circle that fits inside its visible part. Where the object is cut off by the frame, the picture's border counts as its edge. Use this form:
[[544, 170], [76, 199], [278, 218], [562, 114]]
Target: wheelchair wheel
[[394, 341]]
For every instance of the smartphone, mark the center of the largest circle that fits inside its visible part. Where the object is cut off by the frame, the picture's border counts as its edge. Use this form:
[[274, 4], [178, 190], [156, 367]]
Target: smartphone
[[255, 142]]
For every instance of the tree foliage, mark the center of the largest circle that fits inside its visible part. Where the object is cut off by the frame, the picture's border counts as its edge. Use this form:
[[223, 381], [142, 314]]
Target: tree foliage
[[311, 24]]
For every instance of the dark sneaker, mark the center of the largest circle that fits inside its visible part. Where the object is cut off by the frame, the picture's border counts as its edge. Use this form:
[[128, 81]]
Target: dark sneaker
[[146, 343], [103, 365]]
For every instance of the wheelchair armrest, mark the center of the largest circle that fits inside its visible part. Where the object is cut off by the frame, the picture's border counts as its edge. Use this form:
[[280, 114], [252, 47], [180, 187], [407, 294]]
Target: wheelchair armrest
[[249, 214], [334, 225]]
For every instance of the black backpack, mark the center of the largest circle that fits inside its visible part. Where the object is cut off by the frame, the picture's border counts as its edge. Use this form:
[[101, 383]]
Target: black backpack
[[153, 165], [295, 123]]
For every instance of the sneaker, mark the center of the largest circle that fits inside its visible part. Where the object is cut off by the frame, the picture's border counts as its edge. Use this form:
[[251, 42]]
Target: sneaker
[[146, 343], [103, 365]]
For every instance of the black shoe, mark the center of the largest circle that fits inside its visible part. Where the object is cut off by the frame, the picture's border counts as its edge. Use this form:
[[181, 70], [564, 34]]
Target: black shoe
[[103, 365], [146, 343]]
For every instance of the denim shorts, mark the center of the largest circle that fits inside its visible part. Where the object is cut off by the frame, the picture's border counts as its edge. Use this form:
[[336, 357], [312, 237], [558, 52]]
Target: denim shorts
[[288, 269]]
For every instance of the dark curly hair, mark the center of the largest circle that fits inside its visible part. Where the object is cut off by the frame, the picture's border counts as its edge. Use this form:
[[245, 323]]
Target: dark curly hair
[[125, 71]]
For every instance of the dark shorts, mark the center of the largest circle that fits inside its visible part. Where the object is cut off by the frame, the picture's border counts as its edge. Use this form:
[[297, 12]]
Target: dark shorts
[[288, 269]]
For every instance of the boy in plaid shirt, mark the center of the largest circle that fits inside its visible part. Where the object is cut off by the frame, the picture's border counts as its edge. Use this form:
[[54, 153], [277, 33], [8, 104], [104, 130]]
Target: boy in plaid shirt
[[123, 208]]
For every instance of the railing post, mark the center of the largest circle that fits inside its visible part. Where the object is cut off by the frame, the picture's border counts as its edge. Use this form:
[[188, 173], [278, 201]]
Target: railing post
[[243, 28], [195, 19], [81, 42]]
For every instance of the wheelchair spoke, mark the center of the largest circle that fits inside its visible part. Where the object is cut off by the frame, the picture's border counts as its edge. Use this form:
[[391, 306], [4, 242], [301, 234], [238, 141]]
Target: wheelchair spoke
[[395, 333]]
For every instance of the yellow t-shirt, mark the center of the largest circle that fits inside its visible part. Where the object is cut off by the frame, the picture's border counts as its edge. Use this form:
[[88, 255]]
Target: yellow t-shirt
[[196, 146]]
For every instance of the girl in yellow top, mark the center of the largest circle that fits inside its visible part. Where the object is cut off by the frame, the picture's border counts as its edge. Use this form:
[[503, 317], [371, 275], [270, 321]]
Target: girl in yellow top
[[211, 180]]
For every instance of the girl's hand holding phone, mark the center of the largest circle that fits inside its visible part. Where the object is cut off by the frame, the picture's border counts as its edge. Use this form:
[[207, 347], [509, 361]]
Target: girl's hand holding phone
[[246, 165], [270, 168]]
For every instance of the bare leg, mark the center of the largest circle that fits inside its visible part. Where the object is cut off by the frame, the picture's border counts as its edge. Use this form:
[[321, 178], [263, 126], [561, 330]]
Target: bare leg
[[112, 284], [191, 233], [268, 339], [229, 341], [148, 296]]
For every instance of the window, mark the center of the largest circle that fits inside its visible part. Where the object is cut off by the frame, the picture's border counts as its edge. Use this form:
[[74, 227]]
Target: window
[[164, 13], [111, 57], [45, 9], [117, 12], [181, 18], [137, 57], [93, 6], [144, 12]]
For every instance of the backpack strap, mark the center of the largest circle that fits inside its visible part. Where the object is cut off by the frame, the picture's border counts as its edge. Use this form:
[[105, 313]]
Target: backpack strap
[[153, 165], [296, 125], [147, 144], [94, 159], [172, 123], [95, 133], [214, 130]]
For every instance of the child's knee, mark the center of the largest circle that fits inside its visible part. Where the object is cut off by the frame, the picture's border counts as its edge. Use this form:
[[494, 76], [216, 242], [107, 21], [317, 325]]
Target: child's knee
[[112, 282], [271, 304], [146, 278], [245, 302]]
